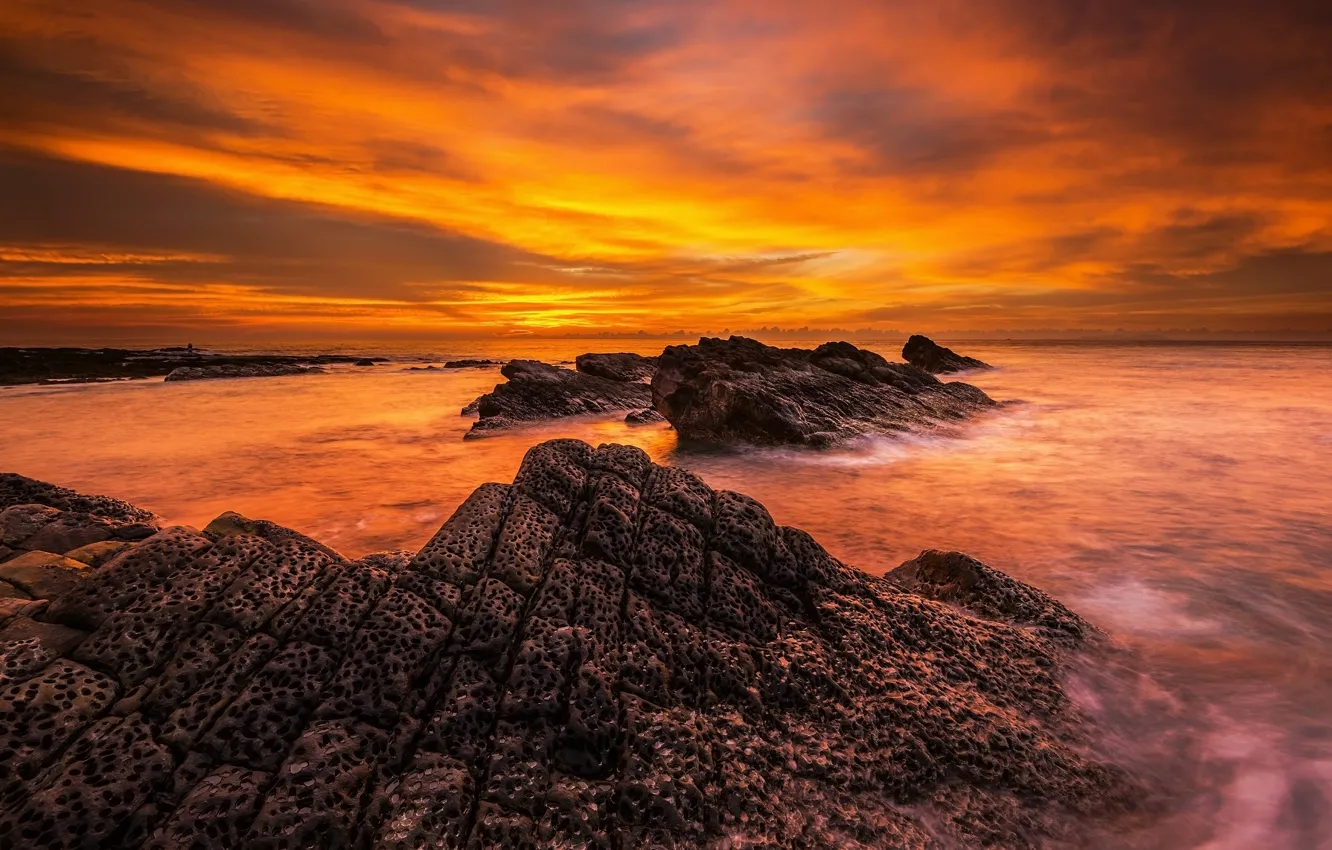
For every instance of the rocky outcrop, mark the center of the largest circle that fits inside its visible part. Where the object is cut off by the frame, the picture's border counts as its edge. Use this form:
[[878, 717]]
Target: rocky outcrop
[[742, 391], [622, 366], [257, 370], [471, 364], [84, 365], [537, 391], [925, 353], [605, 653]]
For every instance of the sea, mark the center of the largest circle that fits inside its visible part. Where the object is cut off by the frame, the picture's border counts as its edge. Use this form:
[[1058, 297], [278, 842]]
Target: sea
[[1177, 495]]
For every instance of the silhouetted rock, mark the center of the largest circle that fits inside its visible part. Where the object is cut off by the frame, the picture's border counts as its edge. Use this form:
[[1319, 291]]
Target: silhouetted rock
[[605, 653], [367, 362], [934, 358], [617, 367], [740, 390], [537, 391], [204, 373], [470, 364], [646, 416], [84, 365]]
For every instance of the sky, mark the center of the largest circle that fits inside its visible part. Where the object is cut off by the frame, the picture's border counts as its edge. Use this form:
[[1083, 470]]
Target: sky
[[363, 168]]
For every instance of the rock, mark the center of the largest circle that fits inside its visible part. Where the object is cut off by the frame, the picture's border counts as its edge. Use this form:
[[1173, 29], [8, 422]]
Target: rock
[[43, 575], [96, 554], [9, 591], [366, 362], [537, 391], [961, 580], [471, 408], [617, 367], [923, 352], [18, 490], [205, 373], [604, 653], [739, 390], [471, 364], [646, 416], [422, 368], [19, 522], [77, 365]]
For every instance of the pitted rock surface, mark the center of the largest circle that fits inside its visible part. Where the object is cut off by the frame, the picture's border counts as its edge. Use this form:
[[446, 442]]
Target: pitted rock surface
[[621, 366], [605, 653], [738, 390], [538, 391], [934, 358]]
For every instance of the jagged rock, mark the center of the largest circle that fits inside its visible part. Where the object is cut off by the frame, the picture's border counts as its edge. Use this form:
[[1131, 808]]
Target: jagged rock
[[646, 416], [203, 373], [471, 364], [925, 353], [622, 366], [537, 391], [16, 490], [605, 653], [740, 390]]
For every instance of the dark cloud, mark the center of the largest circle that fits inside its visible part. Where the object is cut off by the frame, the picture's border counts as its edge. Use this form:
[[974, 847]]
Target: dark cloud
[[281, 245], [84, 84], [910, 131]]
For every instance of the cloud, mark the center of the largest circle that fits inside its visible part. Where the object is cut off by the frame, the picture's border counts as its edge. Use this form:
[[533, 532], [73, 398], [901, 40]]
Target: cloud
[[644, 163]]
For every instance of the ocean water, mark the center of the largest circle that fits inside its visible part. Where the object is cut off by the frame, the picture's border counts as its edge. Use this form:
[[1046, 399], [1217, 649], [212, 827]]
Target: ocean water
[[1178, 496]]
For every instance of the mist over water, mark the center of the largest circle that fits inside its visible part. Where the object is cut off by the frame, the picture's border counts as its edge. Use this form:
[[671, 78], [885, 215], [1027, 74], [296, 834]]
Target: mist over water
[[1176, 495]]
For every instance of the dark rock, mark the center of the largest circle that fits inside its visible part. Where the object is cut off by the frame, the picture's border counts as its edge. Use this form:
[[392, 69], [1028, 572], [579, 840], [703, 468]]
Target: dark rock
[[423, 368], [366, 362], [536, 392], [78, 365], [617, 367], [471, 364], [204, 373], [925, 353], [605, 653], [18, 490], [740, 390], [646, 416]]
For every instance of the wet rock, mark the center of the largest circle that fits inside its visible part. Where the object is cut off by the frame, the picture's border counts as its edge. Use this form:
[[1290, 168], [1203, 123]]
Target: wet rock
[[536, 392], [646, 416], [366, 362], [605, 653], [96, 554], [43, 575], [204, 373], [621, 366], [471, 364], [925, 353], [18, 490], [738, 390]]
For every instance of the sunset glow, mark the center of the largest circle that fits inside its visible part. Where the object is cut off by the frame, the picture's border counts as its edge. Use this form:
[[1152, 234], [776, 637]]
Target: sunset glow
[[366, 168]]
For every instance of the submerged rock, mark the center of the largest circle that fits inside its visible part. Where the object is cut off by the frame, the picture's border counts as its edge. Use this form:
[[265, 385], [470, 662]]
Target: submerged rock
[[646, 416], [622, 366], [537, 391], [203, 373], [471, 364], [740, 390], [605, 653], [934, 358]]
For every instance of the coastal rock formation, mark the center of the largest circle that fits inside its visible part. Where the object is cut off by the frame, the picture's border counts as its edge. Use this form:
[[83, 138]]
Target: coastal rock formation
[[537, 391], [605, 653], [622, 366], [470, 364], [255, 370], [83, 365], [925, 353], [740, 390]]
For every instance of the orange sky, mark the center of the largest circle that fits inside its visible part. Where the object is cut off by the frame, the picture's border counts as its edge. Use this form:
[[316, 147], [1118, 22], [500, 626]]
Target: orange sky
[[370, 168]]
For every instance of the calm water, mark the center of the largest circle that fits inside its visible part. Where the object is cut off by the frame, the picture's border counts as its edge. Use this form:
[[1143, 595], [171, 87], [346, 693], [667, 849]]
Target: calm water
[[1178, 496]]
